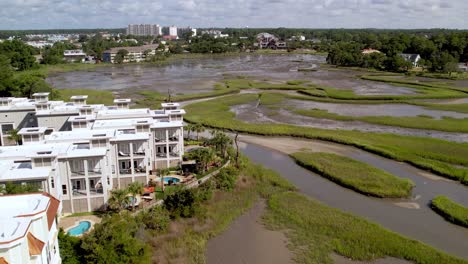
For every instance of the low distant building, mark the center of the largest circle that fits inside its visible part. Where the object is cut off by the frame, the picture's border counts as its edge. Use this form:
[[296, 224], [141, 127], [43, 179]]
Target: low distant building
[[77, 55], [135, 54], [168, 37], [299, 38], [270, 41], [370, 51], [28, 229], [413, 58], [173, 31], [214, 33]]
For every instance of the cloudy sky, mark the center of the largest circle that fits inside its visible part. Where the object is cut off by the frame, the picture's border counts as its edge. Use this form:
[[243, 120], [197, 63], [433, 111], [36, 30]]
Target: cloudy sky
[[42, 14]]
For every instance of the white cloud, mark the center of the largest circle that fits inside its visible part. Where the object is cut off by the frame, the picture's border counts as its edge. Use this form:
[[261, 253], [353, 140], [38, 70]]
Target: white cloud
[[23, 14]]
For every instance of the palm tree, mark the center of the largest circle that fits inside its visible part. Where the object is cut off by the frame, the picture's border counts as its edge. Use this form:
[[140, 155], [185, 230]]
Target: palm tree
[[119, 199], [13, 135], [189, 128], [162, 173], [221, 142], [199, 128], [135, 188]]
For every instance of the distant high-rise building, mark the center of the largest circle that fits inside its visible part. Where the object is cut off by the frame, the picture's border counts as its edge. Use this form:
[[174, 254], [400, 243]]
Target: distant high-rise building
[[144, 30], [173, 31]]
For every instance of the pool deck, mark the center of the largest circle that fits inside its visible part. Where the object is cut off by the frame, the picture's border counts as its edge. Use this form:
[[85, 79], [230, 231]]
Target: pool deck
[[68, 222]]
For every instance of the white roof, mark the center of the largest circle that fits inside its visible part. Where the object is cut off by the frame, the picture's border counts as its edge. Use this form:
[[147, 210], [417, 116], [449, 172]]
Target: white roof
[[122, 136], [167, 124], [164, 105], [76, 135], [17, 214], [121, 123], [12, 171], [18, 104], [123, 113], [122, 100], [40, 94], [78, 97], [32, 130], [81, 118]]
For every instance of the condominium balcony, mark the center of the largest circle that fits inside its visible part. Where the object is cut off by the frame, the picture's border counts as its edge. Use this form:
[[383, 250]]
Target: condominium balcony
[[140, 152]]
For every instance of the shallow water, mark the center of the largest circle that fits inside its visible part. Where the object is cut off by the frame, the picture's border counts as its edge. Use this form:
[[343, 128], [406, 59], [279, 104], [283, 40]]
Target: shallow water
[[251, 114], [199, 75], [422, 224], [397, 110]]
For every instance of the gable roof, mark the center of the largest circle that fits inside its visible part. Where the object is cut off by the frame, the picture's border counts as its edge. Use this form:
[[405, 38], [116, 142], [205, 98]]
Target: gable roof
[[3, 261], [35, 245]]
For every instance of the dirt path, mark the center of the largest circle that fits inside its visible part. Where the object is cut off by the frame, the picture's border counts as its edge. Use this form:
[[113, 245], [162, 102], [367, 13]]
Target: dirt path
[[248, 241]]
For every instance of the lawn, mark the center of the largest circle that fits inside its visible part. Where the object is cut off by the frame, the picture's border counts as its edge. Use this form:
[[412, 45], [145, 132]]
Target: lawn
[[450, 210], [355, 175]]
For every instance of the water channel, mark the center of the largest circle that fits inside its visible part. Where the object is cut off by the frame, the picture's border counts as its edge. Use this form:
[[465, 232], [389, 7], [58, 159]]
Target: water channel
[[419, 222]]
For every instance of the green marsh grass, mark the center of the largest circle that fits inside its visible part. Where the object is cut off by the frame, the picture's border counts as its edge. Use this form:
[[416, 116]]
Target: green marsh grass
[[316, 231], [94, 96], [434, 155], [450, 210], [355, 175]]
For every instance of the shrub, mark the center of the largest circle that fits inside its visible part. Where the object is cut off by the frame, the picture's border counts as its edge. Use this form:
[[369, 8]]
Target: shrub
[[156, 218], [181, 204], [226, 178]]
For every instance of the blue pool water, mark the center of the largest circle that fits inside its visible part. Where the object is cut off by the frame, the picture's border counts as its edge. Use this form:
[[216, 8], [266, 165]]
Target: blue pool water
[[81, 228], [174, 180]]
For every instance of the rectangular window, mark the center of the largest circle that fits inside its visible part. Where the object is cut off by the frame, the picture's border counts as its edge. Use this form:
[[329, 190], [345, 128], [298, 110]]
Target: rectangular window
[[52, 183], [64, 189], [43, 162], [99, 143]]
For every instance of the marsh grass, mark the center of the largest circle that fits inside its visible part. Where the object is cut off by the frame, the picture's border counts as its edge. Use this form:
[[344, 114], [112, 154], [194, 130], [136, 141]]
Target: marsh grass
[[94, 96], [434, 155], [450, 210], [417, 122], [355, 175]]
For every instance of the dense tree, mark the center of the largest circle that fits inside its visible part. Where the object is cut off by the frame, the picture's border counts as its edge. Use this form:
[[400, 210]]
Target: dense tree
[[17, 188], [120, 56], [182, 203], [6, 76], [70, 248], [114, 240], [20, 54]]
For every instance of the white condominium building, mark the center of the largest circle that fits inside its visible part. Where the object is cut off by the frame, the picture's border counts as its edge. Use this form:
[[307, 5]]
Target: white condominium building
[[28, 229], [81, 152], [144, 30]]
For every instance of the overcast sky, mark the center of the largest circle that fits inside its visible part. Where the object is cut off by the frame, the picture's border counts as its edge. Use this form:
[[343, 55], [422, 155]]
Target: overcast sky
[[51, 14]]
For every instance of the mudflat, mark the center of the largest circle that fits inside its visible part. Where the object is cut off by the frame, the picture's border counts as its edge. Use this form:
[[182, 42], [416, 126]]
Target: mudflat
[[248, 241]]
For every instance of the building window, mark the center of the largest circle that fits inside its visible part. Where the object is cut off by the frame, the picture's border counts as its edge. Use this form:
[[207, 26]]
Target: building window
[[52, 183], [30, 138], [43, 162], [64, 189], [100, 143]]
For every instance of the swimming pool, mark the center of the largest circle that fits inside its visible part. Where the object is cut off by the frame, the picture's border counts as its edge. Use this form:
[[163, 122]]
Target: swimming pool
[[80, 229], [173, 179]]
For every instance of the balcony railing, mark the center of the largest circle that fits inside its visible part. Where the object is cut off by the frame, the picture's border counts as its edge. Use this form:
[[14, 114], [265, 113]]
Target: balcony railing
[[139, 152], [161, 154], [96, 171], [125, 171]]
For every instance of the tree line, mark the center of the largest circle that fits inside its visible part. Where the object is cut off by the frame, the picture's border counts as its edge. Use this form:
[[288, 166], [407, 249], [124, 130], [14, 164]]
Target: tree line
[[439, 52]]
